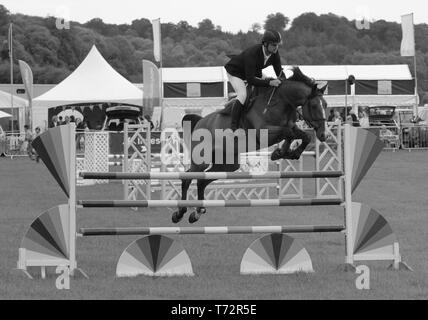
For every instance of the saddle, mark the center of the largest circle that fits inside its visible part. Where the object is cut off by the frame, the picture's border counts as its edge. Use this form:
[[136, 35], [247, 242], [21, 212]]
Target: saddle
[[252, 93]]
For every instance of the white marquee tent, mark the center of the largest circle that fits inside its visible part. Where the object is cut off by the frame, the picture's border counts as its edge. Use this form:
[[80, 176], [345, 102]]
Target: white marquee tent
[[94, 81], [12, 105], [6, 101]]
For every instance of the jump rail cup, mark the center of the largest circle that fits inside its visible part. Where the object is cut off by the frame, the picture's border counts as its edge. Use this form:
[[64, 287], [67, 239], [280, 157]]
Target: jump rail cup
[[51, 238]]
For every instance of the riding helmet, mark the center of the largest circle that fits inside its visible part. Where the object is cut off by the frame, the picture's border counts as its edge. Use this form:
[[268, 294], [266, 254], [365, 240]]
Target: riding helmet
[[271, 36]]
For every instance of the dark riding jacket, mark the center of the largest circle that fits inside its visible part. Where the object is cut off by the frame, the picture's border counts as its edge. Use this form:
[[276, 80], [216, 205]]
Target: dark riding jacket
[[248, 65]]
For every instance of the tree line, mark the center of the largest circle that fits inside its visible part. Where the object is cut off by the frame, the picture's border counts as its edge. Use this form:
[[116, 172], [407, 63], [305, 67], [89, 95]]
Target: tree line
[[309, 39]]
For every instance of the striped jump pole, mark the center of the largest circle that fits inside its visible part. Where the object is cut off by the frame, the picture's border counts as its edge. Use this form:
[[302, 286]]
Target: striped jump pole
[[86, 232], [207, 203], [269, 153], [208, 175]]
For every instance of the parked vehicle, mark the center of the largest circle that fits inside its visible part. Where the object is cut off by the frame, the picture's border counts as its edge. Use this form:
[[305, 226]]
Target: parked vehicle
[[116, 117], [382, 115]]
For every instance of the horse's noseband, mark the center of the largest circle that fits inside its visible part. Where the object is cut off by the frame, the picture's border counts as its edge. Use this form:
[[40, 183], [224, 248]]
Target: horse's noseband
[[308, 99]]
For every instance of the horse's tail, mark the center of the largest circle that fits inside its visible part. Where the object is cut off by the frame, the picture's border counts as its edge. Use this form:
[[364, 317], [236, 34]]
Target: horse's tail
[[193, 118]]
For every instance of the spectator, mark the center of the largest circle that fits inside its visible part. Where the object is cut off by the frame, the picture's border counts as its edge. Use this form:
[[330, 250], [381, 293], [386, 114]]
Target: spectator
[[384, 131], [85, 126], [2, 142], [364, 119], [78, 123], [55, 121], [37, 133], [337, 118], [331, 116], [60, 121], [28, 140], [72, 119], [354, 119], [66, 120], [149, 119], [79, 133]]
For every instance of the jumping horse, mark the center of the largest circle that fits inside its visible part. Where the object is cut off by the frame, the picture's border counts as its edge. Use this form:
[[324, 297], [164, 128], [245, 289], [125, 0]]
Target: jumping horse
[[274, 109]]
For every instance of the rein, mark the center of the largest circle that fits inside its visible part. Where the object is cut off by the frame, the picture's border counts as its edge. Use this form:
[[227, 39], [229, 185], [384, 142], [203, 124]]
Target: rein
[[308, 122], [273, 91]]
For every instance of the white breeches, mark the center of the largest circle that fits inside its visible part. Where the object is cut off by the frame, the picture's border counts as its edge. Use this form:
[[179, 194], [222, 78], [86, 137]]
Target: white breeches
[[239, 86]]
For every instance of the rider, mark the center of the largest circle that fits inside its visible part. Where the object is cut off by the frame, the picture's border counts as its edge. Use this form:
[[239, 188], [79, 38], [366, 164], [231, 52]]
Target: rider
[[248, 66]]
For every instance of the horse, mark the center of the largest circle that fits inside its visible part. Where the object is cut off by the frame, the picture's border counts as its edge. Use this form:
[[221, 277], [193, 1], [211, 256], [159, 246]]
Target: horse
[[272, 109]]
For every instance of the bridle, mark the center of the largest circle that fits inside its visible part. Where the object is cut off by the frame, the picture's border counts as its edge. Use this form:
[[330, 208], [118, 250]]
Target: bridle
[[308, 99], [309, 122]]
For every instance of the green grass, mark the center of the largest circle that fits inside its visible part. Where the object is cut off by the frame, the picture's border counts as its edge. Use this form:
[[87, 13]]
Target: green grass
[[395, 186]]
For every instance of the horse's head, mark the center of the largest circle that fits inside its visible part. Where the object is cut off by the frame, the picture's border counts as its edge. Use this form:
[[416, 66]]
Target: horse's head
[[303, 91], [313, 112]]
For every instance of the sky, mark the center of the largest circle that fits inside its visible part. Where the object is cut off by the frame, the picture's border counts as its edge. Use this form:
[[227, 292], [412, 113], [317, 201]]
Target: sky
[[231, 15]]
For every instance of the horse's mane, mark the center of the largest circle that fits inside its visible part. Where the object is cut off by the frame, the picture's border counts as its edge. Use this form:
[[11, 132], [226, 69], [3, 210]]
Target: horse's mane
[[300, 77]]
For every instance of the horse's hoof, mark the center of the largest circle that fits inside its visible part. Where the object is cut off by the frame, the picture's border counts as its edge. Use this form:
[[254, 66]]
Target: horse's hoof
[[194, 216], [276, 155], [177, 216]]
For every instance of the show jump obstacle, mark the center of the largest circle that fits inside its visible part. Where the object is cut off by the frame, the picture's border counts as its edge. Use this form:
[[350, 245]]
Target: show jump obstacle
[[51, 239]]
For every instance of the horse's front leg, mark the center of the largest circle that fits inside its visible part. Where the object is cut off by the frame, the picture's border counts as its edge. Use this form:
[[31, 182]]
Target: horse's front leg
[[195, 215], [306, 139], [284, 151]]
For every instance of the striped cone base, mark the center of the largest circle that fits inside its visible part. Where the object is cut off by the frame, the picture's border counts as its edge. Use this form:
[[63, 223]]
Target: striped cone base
[[46, 243], [154, 255], [373, 237], [276, 253]]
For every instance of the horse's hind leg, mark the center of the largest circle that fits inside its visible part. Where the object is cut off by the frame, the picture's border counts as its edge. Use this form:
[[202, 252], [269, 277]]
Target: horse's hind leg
[[185, 184], [202, 184], [178, 215]]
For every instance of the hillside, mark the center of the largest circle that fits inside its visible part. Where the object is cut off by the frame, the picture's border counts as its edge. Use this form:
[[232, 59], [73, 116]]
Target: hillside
[[309, 39]]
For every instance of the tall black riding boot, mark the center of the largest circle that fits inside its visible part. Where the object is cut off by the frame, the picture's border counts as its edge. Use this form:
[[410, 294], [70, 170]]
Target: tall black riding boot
[[236, 114]]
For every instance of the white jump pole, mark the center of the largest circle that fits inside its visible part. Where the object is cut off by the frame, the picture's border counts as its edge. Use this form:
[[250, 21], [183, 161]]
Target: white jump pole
[[348, 195], [72, 198]]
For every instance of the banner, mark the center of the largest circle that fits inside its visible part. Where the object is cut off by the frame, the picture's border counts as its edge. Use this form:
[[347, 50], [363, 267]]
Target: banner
[[157, 51], [27, 78], [9, 41], [408, 40], [151, 87]]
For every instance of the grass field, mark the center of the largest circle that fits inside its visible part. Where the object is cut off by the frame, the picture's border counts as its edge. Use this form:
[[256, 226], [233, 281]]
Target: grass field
[[395, 186]]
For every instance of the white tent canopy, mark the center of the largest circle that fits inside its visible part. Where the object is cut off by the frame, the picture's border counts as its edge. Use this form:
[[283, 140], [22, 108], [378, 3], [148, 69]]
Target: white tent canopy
[[6, 101], [4, 114], [94, 81]]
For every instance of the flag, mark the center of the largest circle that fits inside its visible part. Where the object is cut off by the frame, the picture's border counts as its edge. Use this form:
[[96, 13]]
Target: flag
[[157, 51], [27, 78], [408, 40], [9, 41], [151, 87]]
